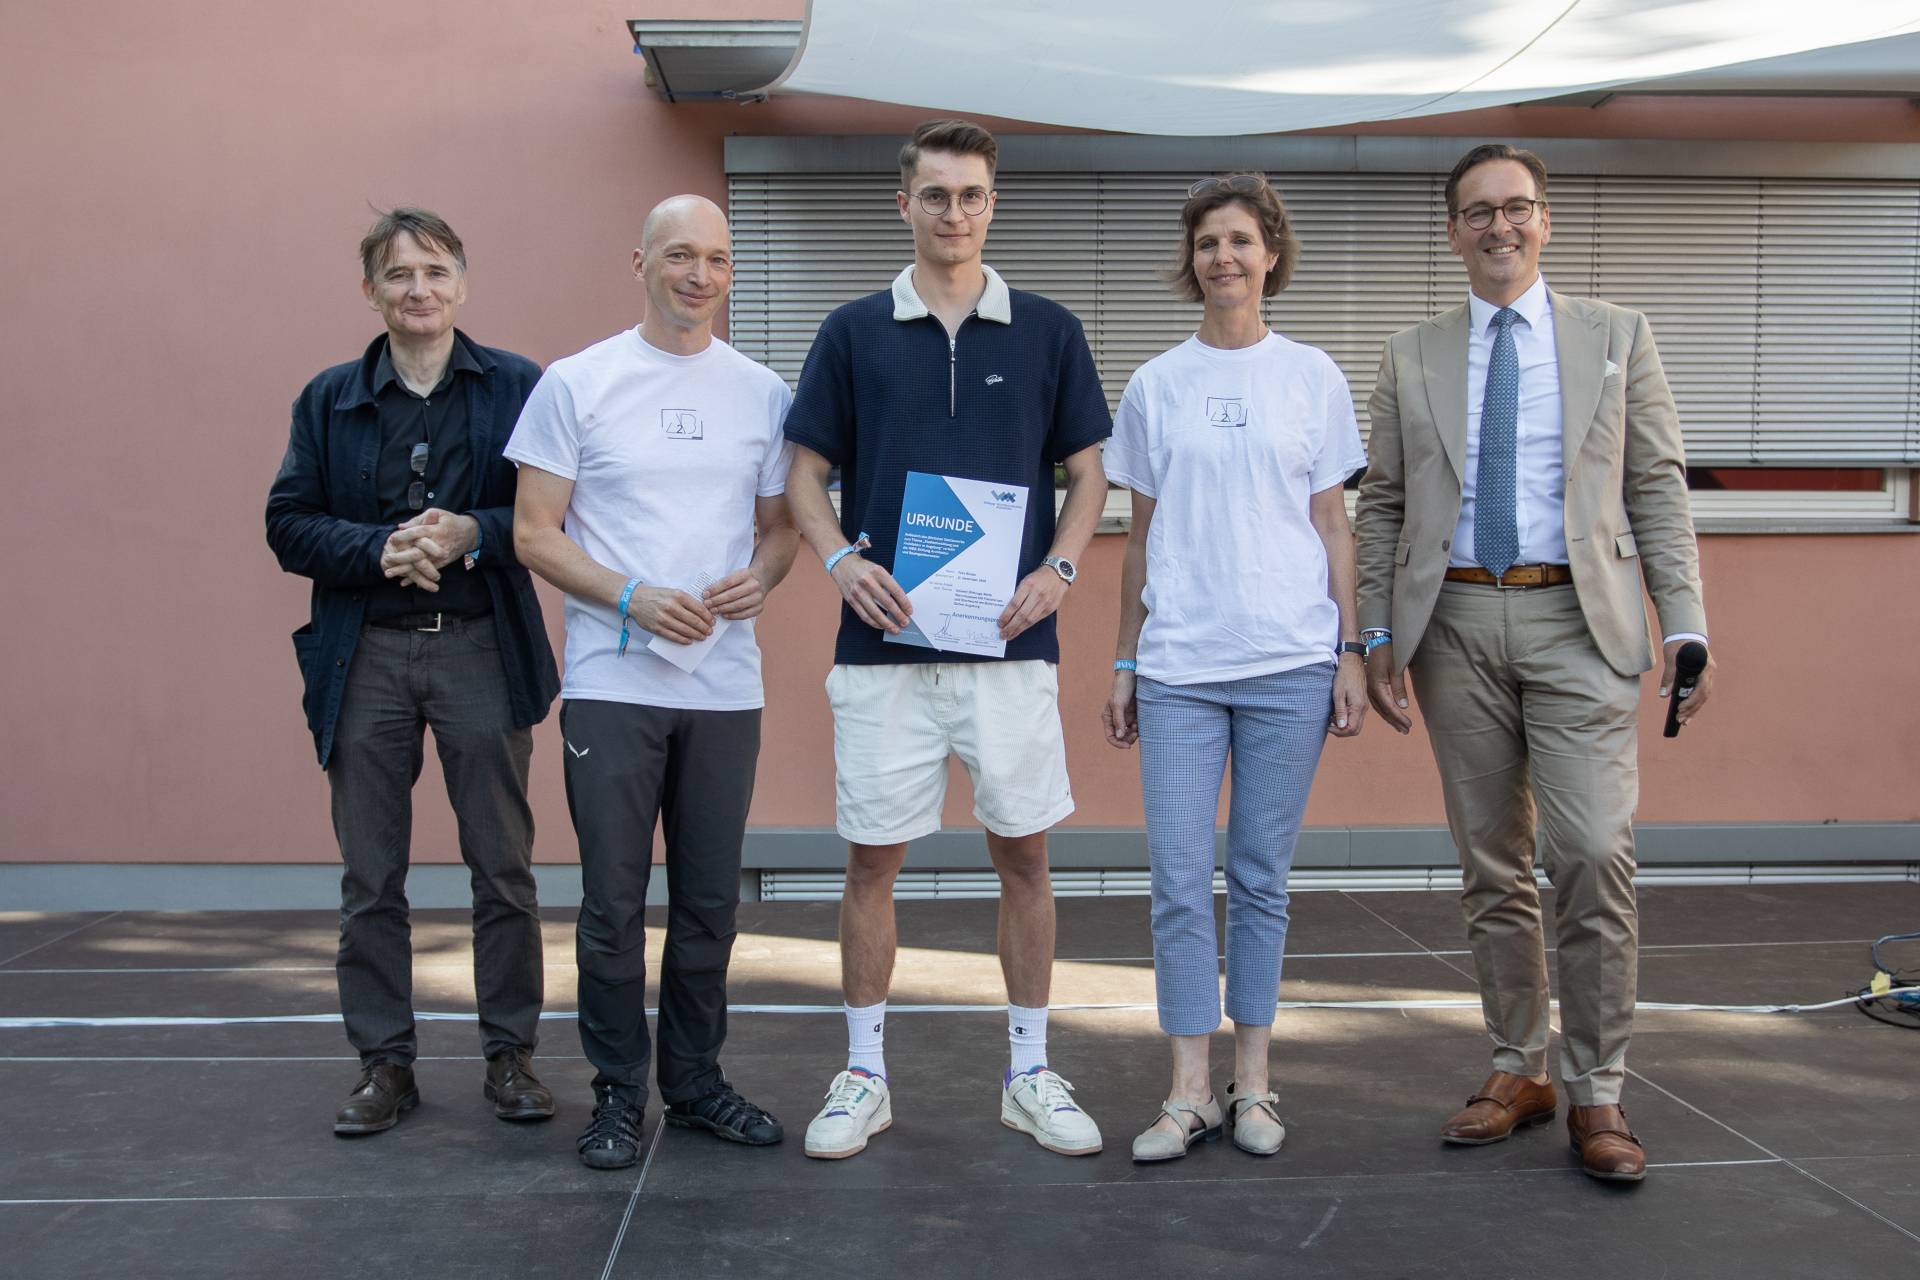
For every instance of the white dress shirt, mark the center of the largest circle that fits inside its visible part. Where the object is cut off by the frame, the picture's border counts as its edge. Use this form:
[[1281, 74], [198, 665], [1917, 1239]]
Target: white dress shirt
[[1539, 505]]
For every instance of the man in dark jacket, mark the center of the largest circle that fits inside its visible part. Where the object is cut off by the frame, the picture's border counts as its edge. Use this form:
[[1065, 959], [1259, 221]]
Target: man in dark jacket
[[395, 499]]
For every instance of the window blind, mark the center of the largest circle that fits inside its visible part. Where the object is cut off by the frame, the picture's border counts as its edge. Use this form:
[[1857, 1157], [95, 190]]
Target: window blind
[[1787, 311]]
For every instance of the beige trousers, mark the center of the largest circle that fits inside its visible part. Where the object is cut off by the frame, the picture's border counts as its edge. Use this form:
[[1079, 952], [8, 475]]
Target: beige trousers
[[1529, 724]]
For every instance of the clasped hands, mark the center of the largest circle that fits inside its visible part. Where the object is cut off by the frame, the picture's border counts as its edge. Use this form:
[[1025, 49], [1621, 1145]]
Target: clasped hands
[[420, 548], [677, 616]]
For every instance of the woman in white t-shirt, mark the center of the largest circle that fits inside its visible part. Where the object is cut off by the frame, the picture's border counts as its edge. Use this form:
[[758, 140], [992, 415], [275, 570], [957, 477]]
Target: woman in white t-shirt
[[1238, 638]]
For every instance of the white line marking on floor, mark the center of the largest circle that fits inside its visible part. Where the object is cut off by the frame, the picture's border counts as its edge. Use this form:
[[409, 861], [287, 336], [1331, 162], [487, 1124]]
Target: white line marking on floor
[[62, 938], [1441, 956], [634, 1199], [263, 1057], [1706, 1164], [1385, 1003], [172, 1199], [1124, 1184], [1804, 1172], [560, 964]]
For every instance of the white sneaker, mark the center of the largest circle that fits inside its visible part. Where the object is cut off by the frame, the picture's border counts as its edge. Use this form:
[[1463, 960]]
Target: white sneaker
[[1040, 1103], [858, 1107]]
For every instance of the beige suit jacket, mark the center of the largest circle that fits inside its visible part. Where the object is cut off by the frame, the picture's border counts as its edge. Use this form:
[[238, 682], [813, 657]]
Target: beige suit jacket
[[1626, 511]]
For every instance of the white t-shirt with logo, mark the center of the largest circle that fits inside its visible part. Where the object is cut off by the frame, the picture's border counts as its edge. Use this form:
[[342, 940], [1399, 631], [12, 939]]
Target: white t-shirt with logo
[[667, 455], [1231, 445]]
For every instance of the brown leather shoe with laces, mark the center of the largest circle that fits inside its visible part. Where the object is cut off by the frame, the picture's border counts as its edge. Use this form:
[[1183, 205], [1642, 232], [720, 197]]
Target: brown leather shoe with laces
[[385, 1092], [1606, 1146], [515, 1092], [1504, 1102]]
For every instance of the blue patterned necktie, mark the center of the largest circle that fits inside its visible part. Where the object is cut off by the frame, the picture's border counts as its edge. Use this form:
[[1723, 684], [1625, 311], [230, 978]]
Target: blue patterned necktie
[[1496, 531]]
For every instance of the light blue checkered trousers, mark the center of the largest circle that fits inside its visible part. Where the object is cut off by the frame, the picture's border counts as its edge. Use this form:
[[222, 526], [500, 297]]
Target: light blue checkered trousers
[[1273, 727]]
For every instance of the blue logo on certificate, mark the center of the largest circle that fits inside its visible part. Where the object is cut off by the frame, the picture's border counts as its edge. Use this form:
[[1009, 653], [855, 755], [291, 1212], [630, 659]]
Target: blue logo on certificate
[[958, 557]]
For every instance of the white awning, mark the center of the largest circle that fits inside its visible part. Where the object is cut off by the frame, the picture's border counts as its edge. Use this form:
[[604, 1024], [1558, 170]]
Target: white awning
[[1214, 67]]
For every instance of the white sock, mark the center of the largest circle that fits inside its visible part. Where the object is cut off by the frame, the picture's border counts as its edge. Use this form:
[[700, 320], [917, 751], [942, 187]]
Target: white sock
[[866, 1033], [1027, 1033]]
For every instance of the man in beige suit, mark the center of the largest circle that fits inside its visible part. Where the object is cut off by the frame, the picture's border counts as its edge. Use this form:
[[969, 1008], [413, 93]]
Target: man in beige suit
[[1527, 477]]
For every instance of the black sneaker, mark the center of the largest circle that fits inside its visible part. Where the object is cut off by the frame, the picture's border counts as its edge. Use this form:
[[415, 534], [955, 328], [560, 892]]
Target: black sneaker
[[722, 1111], [612, 1137]]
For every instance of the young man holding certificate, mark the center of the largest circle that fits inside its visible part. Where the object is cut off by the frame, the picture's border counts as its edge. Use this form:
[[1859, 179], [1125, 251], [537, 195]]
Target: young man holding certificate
[[946, 403], [647, 462]]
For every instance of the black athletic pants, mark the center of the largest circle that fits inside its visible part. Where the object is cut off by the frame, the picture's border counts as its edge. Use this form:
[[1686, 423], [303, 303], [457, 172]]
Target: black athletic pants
[[628, 766]]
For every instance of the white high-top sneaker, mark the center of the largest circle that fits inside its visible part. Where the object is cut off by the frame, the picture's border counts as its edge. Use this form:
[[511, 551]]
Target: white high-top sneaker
[[858, 1106], [1040, 1103]]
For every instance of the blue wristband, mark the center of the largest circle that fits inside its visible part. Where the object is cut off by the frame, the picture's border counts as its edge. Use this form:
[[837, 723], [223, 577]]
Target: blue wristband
[[860, 543], [1125, 664], [626, 595], [1374, 639]]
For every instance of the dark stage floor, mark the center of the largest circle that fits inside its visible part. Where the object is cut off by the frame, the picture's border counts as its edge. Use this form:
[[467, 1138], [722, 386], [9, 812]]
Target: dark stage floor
[[1782, 1145]]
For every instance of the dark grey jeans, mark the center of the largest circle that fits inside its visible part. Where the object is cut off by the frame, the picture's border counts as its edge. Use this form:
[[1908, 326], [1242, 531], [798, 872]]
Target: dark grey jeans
[[451, 681], [628, 768]]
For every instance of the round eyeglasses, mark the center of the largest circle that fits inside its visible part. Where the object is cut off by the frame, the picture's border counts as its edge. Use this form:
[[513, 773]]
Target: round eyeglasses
[[1516, 212], [973, 201]]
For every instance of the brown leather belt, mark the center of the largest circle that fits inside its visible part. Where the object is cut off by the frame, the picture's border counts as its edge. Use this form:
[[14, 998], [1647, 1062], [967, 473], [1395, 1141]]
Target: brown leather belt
[[1519, 575]]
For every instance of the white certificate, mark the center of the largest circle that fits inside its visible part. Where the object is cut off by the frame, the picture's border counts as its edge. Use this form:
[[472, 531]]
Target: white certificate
[[688, 656], [958, 560]]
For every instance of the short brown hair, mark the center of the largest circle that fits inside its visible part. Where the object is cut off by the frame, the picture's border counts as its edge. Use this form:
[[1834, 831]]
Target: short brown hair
[[1534, 165], [1251, 192], [955, 137], [424, 225]]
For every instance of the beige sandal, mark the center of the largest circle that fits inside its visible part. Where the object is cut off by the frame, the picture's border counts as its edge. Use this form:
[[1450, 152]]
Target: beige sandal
[[1157, 1144], [1257, 1138]]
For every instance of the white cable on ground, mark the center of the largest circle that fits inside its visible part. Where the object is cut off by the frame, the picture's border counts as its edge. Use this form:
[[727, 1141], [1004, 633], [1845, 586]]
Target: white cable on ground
[[1651, 1006]]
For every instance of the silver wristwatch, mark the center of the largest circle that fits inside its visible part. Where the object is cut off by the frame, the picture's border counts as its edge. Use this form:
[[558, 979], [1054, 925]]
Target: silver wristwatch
[[1062, 566]]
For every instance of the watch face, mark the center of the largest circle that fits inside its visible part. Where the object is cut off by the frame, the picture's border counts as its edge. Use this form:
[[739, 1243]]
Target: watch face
[[1064, 567]]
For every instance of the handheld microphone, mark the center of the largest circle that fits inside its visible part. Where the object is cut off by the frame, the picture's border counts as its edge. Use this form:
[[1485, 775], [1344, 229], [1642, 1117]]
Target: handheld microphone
[[1687, 666]]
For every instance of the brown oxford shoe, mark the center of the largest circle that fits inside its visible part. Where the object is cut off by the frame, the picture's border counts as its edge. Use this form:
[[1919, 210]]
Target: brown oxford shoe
[[515, 1092], [385, 1092], [1606, 1147], [1504, 1102]]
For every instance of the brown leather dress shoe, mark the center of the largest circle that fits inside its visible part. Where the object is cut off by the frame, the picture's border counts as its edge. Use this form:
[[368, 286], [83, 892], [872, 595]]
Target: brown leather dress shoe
[[515, 1092], [385, 1092], [1504, 1101], [1606, 1147]]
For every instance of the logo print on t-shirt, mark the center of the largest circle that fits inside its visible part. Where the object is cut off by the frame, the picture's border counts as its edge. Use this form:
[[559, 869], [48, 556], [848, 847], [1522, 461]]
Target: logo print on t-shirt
[[681, 424], [1226, 411]]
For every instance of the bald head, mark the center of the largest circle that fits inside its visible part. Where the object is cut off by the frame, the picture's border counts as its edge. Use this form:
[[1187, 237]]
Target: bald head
[[685, 260], [682, 214]]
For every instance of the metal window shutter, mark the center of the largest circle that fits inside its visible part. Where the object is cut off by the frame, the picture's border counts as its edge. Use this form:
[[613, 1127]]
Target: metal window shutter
[[1785, 310], [1837, 276], [1686, 252]]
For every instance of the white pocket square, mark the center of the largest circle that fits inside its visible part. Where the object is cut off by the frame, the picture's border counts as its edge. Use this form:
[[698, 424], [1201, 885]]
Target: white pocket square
[[1612, 369]]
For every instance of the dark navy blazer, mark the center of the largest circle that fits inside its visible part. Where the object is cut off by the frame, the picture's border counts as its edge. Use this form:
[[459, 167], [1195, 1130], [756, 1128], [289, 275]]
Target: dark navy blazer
[[323, 523]]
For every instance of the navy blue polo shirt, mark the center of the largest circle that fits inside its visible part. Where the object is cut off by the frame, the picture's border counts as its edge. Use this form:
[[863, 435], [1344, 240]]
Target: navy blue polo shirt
[[884, 393]]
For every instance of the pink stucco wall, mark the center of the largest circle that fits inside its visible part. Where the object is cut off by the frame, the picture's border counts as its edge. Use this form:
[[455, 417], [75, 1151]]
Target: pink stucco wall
[[184, 187]]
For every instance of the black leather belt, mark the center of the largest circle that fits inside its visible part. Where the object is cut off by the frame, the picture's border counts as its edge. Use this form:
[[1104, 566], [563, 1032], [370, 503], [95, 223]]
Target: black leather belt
[[425, 621]]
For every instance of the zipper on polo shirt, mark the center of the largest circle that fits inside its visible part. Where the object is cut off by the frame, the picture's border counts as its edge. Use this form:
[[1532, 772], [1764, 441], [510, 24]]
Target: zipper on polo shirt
[[953, 363]]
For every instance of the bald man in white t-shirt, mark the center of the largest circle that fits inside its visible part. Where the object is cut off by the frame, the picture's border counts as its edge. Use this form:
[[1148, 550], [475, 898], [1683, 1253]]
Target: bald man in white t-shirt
[[652, 483]]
